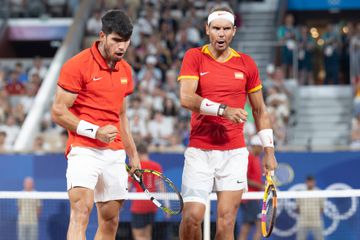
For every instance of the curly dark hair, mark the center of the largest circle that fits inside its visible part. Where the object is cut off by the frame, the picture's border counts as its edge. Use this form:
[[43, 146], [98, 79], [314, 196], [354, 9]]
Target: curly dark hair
[[117, 21]]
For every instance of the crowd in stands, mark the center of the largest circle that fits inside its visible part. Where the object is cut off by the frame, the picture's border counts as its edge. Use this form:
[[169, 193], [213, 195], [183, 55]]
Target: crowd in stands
[[163, 31], [41, 8], [322, 53]]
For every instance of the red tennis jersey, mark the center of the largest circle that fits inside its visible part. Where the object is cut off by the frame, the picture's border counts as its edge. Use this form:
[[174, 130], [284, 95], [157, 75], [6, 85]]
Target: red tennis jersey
[[101, 93], [226, 82], [145, 206]]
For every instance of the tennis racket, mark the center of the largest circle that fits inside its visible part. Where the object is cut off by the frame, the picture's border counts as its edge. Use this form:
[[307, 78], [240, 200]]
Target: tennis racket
[[284, 174], [161, 191], [268, 212]]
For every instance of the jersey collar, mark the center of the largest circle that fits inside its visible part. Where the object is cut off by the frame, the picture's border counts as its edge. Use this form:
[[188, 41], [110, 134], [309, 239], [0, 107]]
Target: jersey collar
[[100, 59], [233, 53]]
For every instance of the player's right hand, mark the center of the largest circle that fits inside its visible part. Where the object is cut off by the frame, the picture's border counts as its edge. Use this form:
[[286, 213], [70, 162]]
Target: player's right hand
[[236, 115], [107, 134]]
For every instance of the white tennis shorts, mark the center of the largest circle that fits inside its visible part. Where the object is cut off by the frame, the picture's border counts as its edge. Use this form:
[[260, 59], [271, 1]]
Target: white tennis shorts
[[103, 171], [213, 170]]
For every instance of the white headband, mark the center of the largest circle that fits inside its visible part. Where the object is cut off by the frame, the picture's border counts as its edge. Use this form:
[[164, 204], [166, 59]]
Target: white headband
[[221, 15]]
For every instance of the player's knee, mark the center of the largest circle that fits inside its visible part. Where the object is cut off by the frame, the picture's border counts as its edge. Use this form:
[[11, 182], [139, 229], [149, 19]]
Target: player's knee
[[81, 213], [226, 220], [192, 219], [110, 224]]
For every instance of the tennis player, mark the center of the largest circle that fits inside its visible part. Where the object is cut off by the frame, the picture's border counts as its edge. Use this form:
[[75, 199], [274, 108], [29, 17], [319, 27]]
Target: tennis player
[[90, 104], [215, 82]]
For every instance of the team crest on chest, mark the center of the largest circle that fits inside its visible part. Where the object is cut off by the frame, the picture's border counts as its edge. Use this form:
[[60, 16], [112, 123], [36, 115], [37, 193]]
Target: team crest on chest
[[239, 75]]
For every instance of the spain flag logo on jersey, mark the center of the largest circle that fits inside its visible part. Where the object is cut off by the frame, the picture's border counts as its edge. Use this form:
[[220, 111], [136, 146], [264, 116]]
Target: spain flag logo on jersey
[[239, 75], [123, 80]]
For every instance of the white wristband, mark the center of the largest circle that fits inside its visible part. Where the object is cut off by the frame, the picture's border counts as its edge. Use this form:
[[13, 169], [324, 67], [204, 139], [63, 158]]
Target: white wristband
[[87, 129], [208, 107], [267, 137]]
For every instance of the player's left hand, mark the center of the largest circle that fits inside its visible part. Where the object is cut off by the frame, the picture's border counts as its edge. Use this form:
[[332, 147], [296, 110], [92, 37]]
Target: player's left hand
[[269, 161]]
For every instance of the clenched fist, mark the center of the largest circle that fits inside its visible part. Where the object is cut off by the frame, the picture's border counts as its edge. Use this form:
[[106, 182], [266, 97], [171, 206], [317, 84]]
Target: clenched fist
[[107, 134]]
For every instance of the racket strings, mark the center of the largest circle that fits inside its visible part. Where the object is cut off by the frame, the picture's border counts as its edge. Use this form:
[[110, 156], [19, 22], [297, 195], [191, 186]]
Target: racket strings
[[162, 190], [269, 210]]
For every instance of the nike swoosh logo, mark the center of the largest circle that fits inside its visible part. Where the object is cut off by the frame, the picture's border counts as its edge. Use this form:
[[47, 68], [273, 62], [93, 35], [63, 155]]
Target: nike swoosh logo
[[208, 104], [238, 181], [96, 79], [203, 73], [89, 129]]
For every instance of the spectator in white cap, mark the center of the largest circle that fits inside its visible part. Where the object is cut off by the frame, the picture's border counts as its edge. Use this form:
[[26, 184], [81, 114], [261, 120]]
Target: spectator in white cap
[[150, 76]]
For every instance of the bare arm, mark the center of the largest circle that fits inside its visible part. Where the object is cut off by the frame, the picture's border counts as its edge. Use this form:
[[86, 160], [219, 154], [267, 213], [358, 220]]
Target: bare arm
[[188, 97], [128, 140], [191, 100], [61, 115], [60, 109], [262, 121]]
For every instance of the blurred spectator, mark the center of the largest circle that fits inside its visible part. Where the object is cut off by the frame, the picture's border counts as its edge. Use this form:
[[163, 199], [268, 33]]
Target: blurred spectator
[[279, 82], [11, 128], [133, 7], [355, 59], [355, 132], [40, 146], [310, 214], [169, 108], [17, 8], [136, 108], [160, 128], [94, 25], [286, 35], [331, 55], [4, 147], [306, 47], [150, 76], [38, 68], [19, 68], [5, 106], [14, 86], [278, 102], [19, 113], [168, 20], [28, 99], [36, 8], [28, 214], [138, 128], [347, 33]]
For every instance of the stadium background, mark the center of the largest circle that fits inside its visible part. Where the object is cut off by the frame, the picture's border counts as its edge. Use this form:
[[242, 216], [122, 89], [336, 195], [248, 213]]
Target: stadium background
[[317, 126]]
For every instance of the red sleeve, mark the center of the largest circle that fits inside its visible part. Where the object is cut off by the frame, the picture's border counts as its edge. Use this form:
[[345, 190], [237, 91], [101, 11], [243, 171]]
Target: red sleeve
[[190, 65], [70, 77], [130, 82], [253, 82]]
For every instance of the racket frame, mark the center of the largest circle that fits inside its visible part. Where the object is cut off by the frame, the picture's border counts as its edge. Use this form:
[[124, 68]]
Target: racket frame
[[137, 176], [270, 187]]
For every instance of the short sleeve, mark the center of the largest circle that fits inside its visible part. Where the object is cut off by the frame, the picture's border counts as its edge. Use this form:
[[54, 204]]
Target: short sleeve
[[70, 78], [253, 82], [130, 82], [190, 65]]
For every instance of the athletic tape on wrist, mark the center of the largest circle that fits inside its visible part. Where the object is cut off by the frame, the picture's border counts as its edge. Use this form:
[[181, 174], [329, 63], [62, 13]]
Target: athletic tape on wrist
[[208, 107], [87, 129], [267, 137]]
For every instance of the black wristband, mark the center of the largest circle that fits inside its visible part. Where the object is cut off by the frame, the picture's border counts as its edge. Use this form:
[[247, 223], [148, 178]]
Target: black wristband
[[221, 110]]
